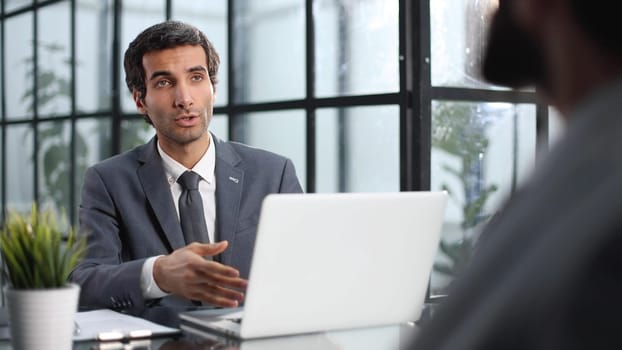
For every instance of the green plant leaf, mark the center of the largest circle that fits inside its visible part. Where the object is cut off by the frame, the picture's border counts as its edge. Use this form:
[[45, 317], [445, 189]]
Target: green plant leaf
[[35, 252]]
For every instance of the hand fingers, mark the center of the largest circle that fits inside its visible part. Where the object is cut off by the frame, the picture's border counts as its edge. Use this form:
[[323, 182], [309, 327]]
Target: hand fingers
[[237, 283], [208, 249], [196, 278], [216, 268], [219, 289], [217, 295], [216, 273], [207, 271]]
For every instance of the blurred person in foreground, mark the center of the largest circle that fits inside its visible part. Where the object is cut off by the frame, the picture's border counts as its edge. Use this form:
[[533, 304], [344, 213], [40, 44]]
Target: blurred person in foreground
[[547, 272], [144, 258]]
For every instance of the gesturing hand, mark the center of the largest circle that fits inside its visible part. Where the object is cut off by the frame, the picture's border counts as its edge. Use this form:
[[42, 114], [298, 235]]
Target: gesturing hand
[[186, 273]]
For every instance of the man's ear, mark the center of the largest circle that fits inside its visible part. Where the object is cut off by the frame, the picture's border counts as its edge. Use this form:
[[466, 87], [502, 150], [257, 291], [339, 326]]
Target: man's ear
[[140, 102]]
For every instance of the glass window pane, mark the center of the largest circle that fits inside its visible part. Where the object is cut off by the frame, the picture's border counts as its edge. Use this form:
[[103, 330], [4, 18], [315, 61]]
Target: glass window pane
[[19, 167], [357, 48], [458, 32], [94, 55], [480, 153], [18, 53], [557, 126], [10, 5], [211, 18], [282, 132], [357, 149], [53, 61], [269, 50], [54, 146], [93, 143], [137, 16], [219, 126], [135, 132], [93, 140]]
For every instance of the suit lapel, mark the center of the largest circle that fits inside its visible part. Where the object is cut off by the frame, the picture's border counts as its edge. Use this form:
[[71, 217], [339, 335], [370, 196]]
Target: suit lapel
[[229, 184], [152, 177]]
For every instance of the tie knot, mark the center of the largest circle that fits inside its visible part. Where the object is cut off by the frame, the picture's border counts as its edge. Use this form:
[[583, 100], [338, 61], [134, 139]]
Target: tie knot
[[189, 180]]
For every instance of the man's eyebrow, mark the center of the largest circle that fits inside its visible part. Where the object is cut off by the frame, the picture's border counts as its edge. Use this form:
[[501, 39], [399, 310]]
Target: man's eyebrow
[[197, 69], [159, 73]]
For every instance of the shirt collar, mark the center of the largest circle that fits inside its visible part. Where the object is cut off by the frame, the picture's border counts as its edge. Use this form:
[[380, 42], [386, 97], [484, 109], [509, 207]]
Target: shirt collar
[[204, 167]]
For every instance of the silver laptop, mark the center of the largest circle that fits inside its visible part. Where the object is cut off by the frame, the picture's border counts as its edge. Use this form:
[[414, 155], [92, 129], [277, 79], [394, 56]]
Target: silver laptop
[[334, 261]]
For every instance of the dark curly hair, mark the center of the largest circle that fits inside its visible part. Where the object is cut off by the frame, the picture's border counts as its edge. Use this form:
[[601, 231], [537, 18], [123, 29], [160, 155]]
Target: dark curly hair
[[165, 35]]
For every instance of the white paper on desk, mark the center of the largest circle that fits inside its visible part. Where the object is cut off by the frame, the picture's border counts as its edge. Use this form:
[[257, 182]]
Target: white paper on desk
[[92, 323]]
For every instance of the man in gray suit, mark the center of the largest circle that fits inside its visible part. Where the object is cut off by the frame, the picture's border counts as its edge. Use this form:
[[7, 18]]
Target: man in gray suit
[[547, 272], [139, 260]]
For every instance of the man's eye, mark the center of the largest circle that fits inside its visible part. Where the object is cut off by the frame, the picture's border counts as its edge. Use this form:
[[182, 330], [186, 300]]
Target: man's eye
[[163, 83], [197, 77]]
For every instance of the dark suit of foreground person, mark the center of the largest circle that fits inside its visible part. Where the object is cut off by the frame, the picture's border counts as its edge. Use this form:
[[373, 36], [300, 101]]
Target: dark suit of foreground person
[[128, 207], [547, 273]]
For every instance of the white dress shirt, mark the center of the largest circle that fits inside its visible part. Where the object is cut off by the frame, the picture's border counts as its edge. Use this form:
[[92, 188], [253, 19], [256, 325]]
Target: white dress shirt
[[207, 188]]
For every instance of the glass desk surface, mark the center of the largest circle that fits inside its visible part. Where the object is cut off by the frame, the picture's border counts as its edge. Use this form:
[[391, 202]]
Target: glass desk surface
[[376, 338]]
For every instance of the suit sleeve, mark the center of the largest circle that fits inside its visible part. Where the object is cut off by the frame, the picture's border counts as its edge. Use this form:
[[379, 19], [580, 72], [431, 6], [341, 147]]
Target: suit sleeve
[[106, 281], [289, 180]]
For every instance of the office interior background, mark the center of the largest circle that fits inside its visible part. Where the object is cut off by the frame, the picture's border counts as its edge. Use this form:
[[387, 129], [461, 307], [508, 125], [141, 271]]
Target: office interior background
[[362, 95]]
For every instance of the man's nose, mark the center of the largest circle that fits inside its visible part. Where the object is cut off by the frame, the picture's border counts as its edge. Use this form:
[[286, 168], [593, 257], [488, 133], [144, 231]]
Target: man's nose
[[183, 98]]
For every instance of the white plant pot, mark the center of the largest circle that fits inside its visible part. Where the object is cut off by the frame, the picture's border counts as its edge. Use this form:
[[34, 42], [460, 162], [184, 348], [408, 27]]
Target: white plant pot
[[42, 318]]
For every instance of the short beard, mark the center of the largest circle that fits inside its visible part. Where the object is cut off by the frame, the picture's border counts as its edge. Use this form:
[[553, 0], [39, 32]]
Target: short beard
[[512, 58]]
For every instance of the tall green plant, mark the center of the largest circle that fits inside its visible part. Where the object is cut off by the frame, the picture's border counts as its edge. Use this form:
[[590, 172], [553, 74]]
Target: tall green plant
[[461, 133], [35, 252]]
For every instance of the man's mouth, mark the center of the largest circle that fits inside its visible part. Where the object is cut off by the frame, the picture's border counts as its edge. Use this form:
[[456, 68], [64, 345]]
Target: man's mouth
[[187, 120]]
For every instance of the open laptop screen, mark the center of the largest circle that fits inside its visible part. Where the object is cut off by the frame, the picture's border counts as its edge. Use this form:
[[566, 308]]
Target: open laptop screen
[[345, 260]]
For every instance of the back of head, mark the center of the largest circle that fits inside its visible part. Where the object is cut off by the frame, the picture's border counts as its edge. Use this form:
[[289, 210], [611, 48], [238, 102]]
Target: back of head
[[515, 59], [600, 21], [512, 57], [165, 35]]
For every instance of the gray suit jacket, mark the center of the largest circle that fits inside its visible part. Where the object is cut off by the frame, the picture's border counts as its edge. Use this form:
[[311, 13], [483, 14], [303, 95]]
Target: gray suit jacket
[[128, 213], [547, 273]]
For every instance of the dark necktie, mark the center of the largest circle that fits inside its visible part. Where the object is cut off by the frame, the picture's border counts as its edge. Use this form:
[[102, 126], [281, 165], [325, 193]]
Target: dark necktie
[[191, 215]]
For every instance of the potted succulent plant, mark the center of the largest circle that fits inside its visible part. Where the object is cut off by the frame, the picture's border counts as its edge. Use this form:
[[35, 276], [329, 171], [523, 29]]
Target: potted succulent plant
[[37, 259]]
